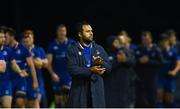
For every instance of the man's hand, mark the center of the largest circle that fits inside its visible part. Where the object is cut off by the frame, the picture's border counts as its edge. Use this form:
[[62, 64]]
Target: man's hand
[[98, 60], [23, 74], [121, 57], [55, 77], [144, 59], [98, 70], [35, 85], [2, 66], [172, 73]]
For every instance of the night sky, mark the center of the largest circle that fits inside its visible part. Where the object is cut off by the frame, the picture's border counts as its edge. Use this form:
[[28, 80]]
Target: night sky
[[107, 18]]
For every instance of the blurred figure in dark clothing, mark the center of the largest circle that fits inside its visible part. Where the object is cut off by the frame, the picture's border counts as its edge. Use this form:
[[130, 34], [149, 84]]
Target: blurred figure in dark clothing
[[126, 40], [175, 44], [166, 84], [148, 63], [118, 84]]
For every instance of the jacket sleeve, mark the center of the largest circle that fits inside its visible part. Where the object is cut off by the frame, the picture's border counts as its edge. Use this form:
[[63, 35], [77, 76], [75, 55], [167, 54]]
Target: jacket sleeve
[[106, 64], [129, 62], [73, 67], [130, 59], [158, 61]]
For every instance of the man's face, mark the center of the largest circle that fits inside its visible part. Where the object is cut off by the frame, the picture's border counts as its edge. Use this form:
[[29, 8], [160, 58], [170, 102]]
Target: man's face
[[146, 39], [87, 33], [164, 43], [8, 39], [172, 39], [61, 32], [2, 39], [116, 43], [27, 42], [30, 34]]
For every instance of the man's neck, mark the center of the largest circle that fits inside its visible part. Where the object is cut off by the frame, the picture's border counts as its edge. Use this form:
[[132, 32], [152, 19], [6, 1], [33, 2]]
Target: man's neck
[[62, 40], [14, 43], [85, 43], [174, 43], [148, 45], [31, 47], [1, 47]]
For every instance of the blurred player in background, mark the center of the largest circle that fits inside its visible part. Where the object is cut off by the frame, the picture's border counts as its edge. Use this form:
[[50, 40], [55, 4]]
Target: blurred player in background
[[22, 60], [174, 43], [40, 61], [126, 40], [167, 74], [5, 80], [148, 63], [61, 80]]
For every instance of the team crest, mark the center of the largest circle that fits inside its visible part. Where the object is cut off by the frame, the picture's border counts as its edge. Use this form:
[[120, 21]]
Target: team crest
[[55, 47], [18, 51], [97, 52], [4, 53], [79, 53]]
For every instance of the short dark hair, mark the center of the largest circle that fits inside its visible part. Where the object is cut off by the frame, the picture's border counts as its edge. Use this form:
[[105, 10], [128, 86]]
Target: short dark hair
[[80, 25], [171, 32], [3, 29], [163, 36], [145, 33], [10, 31], [60, 26]]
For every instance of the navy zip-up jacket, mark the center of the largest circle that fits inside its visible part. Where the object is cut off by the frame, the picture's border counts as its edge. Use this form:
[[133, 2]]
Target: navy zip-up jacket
[[87, 87]]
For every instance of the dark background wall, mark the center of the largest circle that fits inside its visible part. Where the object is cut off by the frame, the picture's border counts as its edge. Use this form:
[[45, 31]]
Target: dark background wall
[[107, 17]]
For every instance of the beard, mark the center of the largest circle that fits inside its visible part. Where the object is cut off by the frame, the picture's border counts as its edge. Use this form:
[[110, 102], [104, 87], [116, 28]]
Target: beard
[[87, 40]]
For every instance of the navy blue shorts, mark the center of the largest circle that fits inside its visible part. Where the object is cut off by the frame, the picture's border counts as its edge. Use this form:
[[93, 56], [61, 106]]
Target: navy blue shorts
[[19, 85], [64, 81], [31, 94], [168, 84], [5, 88]]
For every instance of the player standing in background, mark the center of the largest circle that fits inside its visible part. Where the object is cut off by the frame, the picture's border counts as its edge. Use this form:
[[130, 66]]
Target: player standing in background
[[23, 58], [126, 40], [166, 84], [40, 61], [5, 80], [174, 43], [148, 57], [61, 80], [32, 94]]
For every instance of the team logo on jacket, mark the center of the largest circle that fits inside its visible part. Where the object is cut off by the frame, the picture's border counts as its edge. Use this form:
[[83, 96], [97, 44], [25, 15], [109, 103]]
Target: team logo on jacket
[[55, 47], [4, 53], [97, 52], [18, 51], [79, 53]]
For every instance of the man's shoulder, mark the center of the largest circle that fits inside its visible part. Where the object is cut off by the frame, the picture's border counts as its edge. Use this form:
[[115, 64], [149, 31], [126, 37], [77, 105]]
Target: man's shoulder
[[97, 45]]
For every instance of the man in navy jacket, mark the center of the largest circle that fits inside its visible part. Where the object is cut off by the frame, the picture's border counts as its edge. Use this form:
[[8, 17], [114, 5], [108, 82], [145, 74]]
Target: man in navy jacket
[[87, 62]]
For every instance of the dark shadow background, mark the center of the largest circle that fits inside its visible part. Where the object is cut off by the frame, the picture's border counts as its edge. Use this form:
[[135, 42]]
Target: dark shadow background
[[107, 17]]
